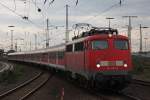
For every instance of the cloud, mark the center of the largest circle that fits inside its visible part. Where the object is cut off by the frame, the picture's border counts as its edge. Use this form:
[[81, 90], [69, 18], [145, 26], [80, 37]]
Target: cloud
[[89, 11]]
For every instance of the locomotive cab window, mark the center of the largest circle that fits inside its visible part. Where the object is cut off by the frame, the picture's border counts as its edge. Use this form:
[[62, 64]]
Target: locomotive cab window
[[99, 44], [121, 44]]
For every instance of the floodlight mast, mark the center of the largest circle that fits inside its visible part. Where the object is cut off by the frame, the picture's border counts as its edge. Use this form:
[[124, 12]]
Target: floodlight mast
[[141, 38], [129, 26], [11, 47], [47, 33], [67, 31]]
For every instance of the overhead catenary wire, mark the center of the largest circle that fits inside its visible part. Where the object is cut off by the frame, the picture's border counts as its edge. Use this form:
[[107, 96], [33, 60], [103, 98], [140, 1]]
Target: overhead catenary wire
[[14, 5], [29, 8], [77, 2], [109, 8], [50, 2], [119, 3], [10, 9], [39, 9], [43, 12], [23, 17], [25, 6], [104, 11]]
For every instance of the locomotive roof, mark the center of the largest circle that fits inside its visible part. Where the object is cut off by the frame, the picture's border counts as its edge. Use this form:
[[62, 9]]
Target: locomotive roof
[[96, 30], [106, 36], [97, 33], [97, 36]]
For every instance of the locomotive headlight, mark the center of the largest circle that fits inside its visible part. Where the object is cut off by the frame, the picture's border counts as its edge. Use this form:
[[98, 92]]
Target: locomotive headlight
[[125, 65], [98, 65], [109, 35]]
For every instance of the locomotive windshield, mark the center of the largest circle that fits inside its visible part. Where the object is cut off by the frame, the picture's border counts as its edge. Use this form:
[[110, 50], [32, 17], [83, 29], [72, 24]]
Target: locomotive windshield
[[99, 44], [121, 44]]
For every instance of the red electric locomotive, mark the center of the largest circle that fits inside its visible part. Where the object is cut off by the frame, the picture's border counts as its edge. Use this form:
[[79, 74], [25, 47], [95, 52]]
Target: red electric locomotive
[[100, 57]]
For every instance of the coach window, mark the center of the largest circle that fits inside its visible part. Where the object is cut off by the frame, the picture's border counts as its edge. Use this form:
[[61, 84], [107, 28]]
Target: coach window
[[69, 48], [60, 54], [49, 55], [79, 46], [53, 55], [99, 44]]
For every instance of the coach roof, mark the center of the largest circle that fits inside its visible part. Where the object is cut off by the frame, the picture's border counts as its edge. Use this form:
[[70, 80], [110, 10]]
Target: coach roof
[[50, 49]]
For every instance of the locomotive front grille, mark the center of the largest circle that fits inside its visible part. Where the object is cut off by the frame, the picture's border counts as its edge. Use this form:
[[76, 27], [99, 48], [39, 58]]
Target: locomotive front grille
[[111, 63]]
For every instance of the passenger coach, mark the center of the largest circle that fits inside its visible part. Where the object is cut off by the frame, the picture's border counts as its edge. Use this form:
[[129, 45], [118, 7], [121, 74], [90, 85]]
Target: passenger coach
[[99, 57]]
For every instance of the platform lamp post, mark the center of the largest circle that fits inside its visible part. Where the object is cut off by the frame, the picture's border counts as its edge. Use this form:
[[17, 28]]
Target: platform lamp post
[[11, 47], [141, 38], [109, 18]]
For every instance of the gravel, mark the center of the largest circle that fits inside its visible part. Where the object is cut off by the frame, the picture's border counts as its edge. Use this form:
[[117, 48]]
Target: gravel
[[139, 91], [55, 87], [28, 73]]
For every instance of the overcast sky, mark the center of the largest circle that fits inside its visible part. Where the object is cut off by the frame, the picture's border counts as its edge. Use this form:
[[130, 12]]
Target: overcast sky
[[86, 11]]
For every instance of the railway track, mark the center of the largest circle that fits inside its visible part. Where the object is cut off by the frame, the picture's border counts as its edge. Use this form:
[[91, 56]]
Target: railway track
[[111, 95], [140, 82], [122, 95], [130, 97], [5, 66], [116, 96], [26, 89]]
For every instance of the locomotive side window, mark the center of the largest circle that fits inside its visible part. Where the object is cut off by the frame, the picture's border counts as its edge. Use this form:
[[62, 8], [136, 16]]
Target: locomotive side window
[[121, 44], [79, 46], [69, 48], [99, 44]]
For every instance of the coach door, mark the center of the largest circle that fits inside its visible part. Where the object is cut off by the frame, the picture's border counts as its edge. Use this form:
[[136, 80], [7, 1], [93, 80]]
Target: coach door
[[79, 57]]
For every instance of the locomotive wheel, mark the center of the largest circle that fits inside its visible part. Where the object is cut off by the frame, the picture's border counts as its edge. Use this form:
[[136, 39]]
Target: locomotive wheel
[[82, 81], [68, 76]]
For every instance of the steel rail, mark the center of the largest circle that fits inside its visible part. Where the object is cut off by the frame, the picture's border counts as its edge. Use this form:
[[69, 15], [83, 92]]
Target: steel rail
[[141, 82], [120, 95], [131, 97], [20, 86], [36, 88], [6, 66]]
